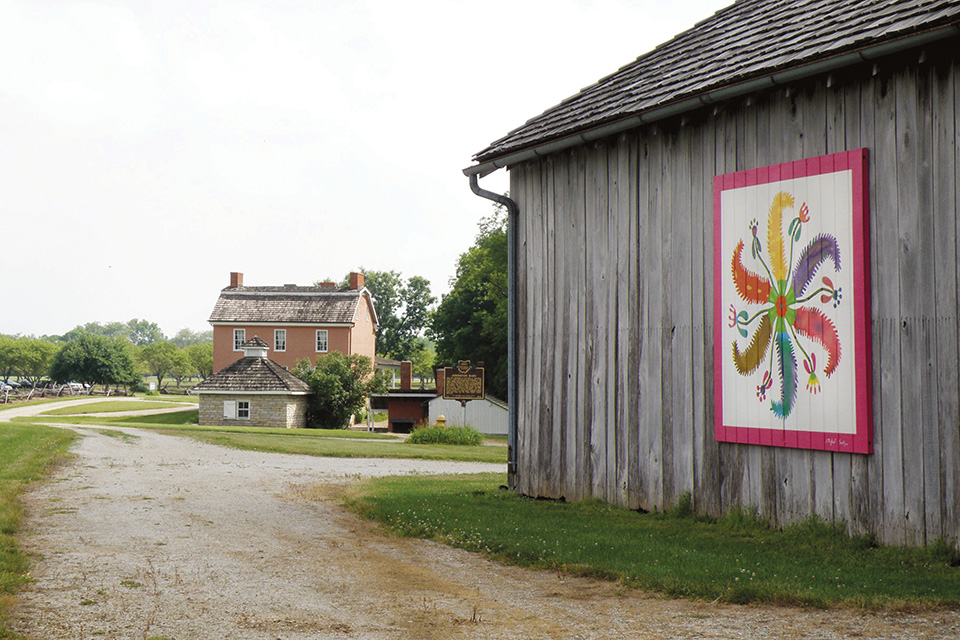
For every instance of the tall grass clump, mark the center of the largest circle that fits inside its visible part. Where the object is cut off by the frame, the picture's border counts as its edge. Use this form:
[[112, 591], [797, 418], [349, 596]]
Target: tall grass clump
[[465, 435]]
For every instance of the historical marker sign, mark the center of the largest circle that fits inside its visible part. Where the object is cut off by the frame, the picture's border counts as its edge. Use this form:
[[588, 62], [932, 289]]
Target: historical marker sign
[[463, 382]]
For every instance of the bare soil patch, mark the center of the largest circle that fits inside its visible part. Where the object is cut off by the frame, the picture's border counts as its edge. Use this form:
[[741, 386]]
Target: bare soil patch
[[164, 537]]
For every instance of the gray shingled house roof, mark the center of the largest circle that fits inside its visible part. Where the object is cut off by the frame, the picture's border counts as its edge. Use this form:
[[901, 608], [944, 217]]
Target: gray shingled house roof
[[289, 303], [254, 373], [752, 39]]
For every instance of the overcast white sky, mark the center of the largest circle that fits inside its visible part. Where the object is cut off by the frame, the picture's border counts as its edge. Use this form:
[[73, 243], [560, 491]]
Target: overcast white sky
[[147, 149]]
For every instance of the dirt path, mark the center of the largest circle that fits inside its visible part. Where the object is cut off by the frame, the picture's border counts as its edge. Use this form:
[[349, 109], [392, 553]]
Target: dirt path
[[161, 537]]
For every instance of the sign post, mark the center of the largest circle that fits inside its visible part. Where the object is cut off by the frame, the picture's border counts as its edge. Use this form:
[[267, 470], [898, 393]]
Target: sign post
[[464, 382]]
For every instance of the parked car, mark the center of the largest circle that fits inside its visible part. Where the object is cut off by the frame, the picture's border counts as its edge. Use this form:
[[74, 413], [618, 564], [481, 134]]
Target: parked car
[[5, 387], [11, 383]]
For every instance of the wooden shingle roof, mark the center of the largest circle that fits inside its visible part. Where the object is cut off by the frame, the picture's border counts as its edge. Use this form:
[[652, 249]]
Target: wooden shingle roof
[[254, 374], [747, 40], [289, 303]]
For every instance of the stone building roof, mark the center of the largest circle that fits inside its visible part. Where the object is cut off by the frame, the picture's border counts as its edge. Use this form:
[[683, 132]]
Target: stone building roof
[[748, 40], [254, 374], [286, 304]]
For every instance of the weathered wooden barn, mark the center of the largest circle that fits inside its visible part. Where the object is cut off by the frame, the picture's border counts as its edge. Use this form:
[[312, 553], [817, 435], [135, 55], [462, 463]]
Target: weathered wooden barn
[[616, 316]]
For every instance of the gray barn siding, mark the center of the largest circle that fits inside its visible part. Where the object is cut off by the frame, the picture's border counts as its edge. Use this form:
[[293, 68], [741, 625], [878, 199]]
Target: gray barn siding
[[616, 309]]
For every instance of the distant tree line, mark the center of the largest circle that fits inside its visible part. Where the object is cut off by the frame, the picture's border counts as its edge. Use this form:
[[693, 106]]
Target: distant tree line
[[114, 353]]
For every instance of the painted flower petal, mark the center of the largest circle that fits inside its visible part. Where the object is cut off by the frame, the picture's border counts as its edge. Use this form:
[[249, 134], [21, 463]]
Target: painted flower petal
[[788, 375], [820, 248], [749, 361], [750, 286], [816, 326]]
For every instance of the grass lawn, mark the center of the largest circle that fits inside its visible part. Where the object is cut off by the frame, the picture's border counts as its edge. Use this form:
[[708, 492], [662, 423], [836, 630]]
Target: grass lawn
[[26, 451], [337, 443], [737, 559], [107, 406], [337, 447]]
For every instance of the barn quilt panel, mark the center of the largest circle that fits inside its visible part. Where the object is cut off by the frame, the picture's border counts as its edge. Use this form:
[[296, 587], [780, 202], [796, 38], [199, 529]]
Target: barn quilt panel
[[791, 327]]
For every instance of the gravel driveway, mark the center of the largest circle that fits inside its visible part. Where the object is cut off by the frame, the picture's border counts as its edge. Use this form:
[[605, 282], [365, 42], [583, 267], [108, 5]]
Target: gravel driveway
[[161, 537]]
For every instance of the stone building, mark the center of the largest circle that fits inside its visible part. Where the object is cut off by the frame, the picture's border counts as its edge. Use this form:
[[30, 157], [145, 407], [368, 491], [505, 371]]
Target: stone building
[[253, 391]]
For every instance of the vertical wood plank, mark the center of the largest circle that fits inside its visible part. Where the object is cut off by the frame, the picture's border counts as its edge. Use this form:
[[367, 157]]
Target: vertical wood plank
[[623, 416], [578, 195], [885, 292], [668, 276], [911, 284], [557, 338], [610, 289], [706, 451], [596, 260], [651, 302], [635, 335], [683, 221], [946, 209], [518, 188]]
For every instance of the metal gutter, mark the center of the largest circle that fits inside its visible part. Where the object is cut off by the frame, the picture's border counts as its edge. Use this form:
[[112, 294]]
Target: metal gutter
[[512, 213], [715, 96]]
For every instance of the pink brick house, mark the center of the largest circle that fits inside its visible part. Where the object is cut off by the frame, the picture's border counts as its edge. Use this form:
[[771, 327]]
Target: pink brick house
[[296, 322]]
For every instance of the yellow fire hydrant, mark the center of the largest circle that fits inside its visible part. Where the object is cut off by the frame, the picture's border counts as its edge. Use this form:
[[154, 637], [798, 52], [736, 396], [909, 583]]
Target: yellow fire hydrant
[[441, 421]]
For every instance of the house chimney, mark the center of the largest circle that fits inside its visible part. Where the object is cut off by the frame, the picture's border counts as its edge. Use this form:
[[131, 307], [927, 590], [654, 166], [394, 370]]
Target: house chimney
[[236, 279], [356, 280], [439, 373], [406, 375], [328, 285]]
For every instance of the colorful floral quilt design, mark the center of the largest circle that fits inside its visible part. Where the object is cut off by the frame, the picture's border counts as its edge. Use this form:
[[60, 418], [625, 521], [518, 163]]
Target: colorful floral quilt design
[[788, 325]]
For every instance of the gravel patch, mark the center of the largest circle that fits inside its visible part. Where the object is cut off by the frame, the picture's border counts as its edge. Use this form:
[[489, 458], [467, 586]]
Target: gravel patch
[[158, 536]]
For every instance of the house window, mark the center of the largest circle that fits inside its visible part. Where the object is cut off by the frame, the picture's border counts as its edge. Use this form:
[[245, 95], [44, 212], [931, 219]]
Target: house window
[[243, 409], [280, 340], [239, 337], [321, 340]]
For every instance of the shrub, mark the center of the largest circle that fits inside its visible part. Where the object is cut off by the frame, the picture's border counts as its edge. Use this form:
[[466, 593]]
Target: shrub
[[340, 385], [446, 435]]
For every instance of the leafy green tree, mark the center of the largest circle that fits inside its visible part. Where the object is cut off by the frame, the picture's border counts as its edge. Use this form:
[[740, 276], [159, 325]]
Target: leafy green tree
[[183, 367], [340, 384], [33, 358], [8, 356], [424, 357], [185, 337], [143, 332], [470, 323], [93, 360], [402, 309], [110, 330], [159, 358], [201, 355]]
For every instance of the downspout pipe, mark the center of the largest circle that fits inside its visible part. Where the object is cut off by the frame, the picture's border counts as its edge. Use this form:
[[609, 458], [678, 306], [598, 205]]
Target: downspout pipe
[[512, 213]]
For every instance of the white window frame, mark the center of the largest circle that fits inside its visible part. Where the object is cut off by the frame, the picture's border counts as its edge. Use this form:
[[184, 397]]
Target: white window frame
[[239, 337], [279, 339], [243, 407], [324, 334]]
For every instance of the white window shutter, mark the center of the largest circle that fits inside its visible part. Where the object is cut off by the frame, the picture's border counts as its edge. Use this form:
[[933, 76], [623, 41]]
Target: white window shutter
[[229, 409]]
